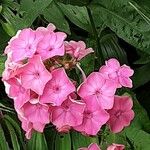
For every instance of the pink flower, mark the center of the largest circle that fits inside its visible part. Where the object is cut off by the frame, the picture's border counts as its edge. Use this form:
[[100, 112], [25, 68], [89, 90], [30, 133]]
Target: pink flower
[[11, 68], [36, 113], [99, 88], [120, 74], [50, 28], [26, 126], [77, 49], [92, 146], [58, 88], [94, 117], [34, 75], [24, 45], [17, 92], [51, 45], [121, 114], [70, 113], [29, 127], [116, 147], [64, 129]]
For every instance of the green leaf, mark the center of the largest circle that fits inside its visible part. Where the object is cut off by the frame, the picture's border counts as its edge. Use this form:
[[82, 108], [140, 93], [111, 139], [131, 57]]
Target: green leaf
[[63, 142], [8, 28], [144, 58], [80, 140], [109, 138], [111, 49], [77, 15], [87, 64], [2, 64], [3, 40], [75, 2], [139, 138], [37, 142], [124, 20], [3, 142], [54, 15], [26, 15], [14, 139], [50, 135], [16, 127], [141, 76], [6, 108], [141, 120]]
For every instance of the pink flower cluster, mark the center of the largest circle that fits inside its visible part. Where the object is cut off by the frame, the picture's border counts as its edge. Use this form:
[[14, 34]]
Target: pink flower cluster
[[36, 79], [94, 146]]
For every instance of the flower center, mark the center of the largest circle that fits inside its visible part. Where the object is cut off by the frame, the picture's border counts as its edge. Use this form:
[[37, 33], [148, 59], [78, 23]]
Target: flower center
[[37, 75], [88, 115], [98, 92], [118, 113], [56, 89], [50, 48]]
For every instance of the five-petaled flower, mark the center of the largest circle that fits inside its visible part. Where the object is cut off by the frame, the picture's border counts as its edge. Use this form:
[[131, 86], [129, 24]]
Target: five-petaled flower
[[121, 114]]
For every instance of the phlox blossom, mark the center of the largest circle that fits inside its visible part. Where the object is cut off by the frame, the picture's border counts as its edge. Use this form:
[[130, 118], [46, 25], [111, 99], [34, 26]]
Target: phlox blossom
[[36, 112], [50, 28], [51, 45], [58, 88], [29, 127], [24, 45], [34, 75], [101, 89], [78, 49], [120, 74], [121, 114], [70, 113], [94, 117], [116, 147], [15, 90], [92, 146]]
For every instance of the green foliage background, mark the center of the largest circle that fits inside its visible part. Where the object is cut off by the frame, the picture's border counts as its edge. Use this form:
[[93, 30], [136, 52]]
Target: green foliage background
[[113, 28]]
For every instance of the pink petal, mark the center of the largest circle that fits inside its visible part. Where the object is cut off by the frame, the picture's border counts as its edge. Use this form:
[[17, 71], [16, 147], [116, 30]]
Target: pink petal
[[125, 71], [106, 102], [126, 82], [113, 63], [109, 88], [116, 147]]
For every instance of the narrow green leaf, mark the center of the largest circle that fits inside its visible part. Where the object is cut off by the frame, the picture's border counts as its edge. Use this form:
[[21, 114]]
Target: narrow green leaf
[[16, 127], [111, 49], [37, 142], [14, 139], [8, 108], [3, 40], [2, 64], [50, 135], [63, 142], [8, 28], [3, 142], [79, 140]]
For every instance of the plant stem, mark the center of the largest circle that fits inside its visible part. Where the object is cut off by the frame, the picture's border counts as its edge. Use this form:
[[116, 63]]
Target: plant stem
[[99, 53], [82, 72]]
